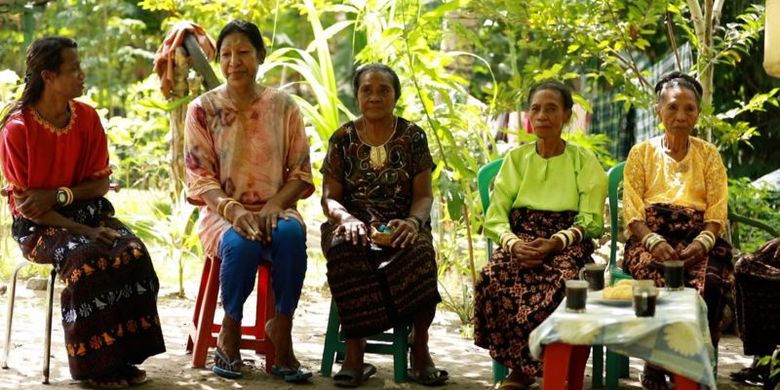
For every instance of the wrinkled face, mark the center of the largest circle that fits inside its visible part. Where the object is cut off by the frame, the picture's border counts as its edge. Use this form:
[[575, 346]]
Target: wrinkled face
[[68, 81], [376, 95], [678, 110], [238, 60], [547, 113]]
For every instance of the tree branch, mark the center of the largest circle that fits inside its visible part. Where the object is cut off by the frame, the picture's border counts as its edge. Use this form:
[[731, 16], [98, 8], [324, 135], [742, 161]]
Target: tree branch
[[632, 63], [716, 10], [698, 19]]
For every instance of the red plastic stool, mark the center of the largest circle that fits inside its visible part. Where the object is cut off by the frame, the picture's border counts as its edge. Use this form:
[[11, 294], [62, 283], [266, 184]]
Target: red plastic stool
[[202, 336]]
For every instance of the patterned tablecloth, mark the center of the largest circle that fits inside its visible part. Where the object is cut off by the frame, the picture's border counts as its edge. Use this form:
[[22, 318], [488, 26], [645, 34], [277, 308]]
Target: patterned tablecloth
[[677, 338]]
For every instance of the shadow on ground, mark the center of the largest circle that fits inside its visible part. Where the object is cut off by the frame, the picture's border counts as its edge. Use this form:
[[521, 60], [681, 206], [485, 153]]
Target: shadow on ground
[[469, 366]]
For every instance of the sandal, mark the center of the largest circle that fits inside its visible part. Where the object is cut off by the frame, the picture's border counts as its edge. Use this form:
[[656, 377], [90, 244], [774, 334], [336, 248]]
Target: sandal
[[226, 368], [429, 376], [350, 377], [752, 375], [291, 375], [653, 379]]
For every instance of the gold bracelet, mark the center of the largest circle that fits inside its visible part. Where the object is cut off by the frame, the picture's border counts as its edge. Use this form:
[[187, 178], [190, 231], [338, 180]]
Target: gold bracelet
[[576, 231], [709, 234], [704, 245], [231, 202], [221, 206], [69, 192], [706, 241], [648, 238], [570, 235], [562, 237], [655, 242], [509, 244], [505, 237], [413, 221]]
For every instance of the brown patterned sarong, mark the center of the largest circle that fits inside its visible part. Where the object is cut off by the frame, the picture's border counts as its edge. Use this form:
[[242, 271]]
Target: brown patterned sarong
[[758, 302], [376, 288], [109, 304], [712, 277], [511, 301]]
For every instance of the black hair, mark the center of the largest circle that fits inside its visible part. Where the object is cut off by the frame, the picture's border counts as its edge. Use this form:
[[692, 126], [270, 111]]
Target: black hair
[[554, 85], [249, 29], [376, 67], [43, 54], [678, 79]]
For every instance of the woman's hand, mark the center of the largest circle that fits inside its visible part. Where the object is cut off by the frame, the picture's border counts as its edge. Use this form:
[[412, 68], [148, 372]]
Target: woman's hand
[[245, 223], [354, 230], [404, 232], [266, 220], [546, 246], [664, 252], [101, 234], [526, 255], [34, 203], [693, 254]]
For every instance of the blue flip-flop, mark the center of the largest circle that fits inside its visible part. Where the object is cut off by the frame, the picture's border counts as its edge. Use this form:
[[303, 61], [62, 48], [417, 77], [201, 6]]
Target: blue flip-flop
[[290, 374], [231, 370]]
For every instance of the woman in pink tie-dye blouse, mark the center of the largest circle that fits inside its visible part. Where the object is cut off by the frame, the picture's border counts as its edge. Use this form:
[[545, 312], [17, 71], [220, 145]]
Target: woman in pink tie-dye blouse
[[247, 162]]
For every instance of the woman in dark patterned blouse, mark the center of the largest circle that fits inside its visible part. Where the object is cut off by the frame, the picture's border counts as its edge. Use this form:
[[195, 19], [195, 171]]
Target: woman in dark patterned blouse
[[378, 172]]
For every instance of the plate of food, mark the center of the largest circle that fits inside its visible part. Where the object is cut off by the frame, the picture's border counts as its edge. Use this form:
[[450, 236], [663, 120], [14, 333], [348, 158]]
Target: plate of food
[[621, 294]]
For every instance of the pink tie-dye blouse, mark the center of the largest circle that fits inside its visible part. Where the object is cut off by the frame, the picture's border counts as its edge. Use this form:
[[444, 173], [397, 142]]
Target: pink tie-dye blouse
[[249, 155]]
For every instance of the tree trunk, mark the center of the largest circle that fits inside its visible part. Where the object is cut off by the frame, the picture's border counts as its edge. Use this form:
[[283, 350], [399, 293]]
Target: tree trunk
[[705, 22]]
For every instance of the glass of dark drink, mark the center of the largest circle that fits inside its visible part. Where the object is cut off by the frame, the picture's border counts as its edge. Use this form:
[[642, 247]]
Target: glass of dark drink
[[645, 296], [673, 274], [576, 295], [594, 274]]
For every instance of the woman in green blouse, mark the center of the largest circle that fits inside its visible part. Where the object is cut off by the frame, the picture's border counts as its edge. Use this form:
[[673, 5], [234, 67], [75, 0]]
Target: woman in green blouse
[[546, 205]]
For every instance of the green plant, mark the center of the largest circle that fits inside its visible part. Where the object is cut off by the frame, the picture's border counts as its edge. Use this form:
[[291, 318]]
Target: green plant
[[758, 203], [173, 227], [138, 141]]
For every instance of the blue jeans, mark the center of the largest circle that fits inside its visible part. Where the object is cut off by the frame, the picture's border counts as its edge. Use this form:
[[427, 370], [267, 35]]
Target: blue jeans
[[241, 257]]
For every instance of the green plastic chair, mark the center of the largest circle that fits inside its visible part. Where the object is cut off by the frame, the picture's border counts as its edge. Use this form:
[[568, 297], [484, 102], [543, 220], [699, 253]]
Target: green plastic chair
[[395, 343], [485, 177], [615, 175], [617, 365]]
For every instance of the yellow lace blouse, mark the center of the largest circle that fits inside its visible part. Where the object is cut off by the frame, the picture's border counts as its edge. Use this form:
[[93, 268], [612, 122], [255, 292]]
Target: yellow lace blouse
[[697, 181]]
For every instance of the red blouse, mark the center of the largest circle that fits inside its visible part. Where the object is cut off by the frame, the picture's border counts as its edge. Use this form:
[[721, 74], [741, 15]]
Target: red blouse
[[38, 155]]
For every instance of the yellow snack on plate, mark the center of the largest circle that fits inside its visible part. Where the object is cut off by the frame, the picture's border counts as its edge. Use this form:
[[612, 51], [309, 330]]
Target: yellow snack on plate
[[618, 292]]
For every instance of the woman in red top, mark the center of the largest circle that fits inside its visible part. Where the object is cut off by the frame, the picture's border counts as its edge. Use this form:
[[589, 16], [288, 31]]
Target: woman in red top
[[55, 158]]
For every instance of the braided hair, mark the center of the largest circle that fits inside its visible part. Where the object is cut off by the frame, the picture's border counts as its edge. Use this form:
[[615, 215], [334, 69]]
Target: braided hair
[[679, 80]]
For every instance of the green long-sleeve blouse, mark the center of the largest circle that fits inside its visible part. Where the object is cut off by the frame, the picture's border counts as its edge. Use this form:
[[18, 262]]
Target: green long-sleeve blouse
[[573, 181]]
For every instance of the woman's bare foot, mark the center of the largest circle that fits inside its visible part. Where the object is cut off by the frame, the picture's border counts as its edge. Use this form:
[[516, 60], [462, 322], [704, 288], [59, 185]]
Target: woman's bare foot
[[279, 331], [229, 339]]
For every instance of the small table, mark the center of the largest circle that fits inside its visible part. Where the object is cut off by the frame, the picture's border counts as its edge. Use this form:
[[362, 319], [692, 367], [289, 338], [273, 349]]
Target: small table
[[677, 339]]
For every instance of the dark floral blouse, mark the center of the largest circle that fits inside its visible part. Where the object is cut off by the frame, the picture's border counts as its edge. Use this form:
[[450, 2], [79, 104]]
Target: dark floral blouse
[[384, 193]]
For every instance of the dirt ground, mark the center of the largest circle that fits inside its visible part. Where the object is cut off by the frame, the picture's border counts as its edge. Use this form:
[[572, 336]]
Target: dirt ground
[[468, 365]]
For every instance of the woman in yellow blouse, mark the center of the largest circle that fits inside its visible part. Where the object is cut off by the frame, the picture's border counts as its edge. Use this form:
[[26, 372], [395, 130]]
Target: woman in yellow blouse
[[675, 198]]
